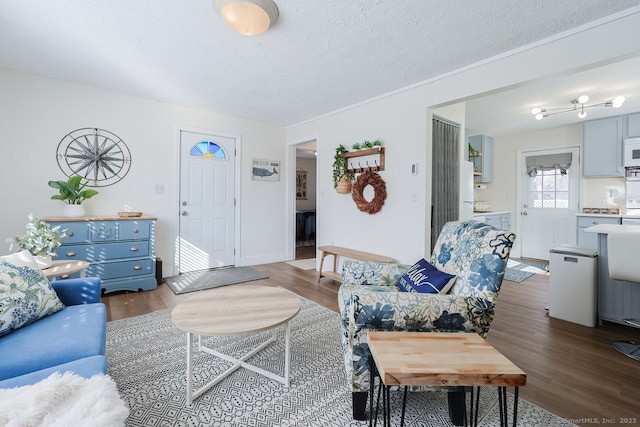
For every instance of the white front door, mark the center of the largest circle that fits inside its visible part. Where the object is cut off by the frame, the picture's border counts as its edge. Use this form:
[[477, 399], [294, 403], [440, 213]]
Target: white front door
[[207, 188], [548, 204]]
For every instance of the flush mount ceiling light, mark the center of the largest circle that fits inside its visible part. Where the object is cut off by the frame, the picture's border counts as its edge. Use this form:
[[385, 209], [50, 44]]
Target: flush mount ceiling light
[[247, 17], [579, 105]]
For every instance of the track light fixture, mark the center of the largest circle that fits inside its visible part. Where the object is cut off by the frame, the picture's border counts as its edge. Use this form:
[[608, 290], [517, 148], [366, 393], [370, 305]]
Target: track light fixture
[[579, 105]]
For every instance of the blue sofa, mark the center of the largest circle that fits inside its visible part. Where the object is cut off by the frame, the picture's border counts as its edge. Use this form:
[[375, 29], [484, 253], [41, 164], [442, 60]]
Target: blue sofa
[[73, 339]]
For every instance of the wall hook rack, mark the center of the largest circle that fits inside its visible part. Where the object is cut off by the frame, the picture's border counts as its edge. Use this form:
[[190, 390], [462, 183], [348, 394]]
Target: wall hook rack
[[375, 155]]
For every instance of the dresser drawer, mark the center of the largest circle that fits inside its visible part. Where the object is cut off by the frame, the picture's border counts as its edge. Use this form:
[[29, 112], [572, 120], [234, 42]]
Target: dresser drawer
[[73, 252], [134, 230], [113, 270], [76, 231], [106, 251]]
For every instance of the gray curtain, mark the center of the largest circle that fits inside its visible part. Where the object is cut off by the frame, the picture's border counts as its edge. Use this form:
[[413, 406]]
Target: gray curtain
[[548, 162], [446, 175]]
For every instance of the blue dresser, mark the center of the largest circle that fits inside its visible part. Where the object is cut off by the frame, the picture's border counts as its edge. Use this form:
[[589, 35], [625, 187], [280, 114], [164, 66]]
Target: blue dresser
[[119, 250]]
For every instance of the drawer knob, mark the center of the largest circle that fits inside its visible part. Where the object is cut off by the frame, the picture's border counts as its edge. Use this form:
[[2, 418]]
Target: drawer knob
[[134, 249], [596, 222], [69, 233], [137, 267], [70, 254], [135, 230], [65, 276]]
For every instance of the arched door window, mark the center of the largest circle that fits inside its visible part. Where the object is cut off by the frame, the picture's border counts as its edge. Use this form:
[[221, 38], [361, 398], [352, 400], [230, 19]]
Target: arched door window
[[208, 150]]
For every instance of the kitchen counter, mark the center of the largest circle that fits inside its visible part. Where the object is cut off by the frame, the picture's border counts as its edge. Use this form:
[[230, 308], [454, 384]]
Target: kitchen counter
[[613, 228], [483, 213], [602, 215]]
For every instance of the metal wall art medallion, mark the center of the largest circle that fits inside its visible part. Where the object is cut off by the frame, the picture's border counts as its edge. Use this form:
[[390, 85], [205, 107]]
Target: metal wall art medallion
[[97, 155]]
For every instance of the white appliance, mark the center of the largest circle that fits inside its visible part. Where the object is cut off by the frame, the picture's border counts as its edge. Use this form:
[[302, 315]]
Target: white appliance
[[632, 195], [573, 295], [466, 191], [632, 152]]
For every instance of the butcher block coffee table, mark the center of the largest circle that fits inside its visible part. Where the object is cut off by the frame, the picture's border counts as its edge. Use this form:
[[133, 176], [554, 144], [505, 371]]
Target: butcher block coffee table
[[235, 310], [441, 359]]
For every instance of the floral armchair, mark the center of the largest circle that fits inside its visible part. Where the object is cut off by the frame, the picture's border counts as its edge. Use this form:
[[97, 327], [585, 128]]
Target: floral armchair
[[369, 299]]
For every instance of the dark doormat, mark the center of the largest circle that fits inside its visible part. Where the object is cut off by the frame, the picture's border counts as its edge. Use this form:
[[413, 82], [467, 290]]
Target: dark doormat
[[207, 279]]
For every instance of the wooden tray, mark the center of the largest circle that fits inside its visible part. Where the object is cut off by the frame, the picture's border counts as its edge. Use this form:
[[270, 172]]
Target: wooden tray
[[129, 214]]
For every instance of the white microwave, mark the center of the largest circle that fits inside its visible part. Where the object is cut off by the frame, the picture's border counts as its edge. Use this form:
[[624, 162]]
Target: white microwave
[[632, 152]]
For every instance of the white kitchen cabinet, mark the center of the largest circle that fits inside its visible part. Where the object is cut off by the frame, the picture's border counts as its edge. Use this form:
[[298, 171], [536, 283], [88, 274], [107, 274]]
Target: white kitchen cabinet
[[602, 147], [590, 240], [483, 162], [633, 123]]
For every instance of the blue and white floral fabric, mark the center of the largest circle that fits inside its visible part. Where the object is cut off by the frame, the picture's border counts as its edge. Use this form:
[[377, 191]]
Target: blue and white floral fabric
[[370, 300]]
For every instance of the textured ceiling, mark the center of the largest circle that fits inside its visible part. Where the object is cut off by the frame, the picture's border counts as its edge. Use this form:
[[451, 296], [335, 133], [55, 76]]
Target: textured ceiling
[[319, 57]]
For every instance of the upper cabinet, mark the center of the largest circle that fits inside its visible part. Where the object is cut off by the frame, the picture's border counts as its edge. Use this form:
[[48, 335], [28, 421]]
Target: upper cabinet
[[602, 150], [482, 157], [634, 125]]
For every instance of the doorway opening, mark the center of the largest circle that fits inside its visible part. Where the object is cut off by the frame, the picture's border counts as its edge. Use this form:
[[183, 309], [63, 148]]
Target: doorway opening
[[305, 200]]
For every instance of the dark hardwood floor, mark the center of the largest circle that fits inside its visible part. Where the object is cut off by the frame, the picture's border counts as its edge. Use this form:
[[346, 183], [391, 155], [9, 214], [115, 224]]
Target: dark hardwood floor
[[572, 370]]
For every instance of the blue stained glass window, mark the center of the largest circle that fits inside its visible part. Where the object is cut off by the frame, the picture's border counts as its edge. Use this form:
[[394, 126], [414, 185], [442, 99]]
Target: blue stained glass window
[[209, 150]]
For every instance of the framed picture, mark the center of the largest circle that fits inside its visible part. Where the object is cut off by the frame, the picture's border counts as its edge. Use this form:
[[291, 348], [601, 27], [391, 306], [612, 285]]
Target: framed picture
[[595, 210], [614, 211], [604, 211], [586, 210], [265, 170], [301, 184]]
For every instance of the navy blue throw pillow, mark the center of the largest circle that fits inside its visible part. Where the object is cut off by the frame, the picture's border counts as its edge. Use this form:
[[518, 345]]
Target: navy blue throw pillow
[[425, 278]]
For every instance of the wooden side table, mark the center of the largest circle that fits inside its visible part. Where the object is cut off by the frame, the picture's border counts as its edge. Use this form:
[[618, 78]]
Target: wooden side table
[[64, 269], [441, 359]]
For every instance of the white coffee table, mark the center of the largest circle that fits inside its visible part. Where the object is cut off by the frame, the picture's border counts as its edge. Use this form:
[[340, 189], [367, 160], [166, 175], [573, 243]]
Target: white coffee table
[[235, 310]]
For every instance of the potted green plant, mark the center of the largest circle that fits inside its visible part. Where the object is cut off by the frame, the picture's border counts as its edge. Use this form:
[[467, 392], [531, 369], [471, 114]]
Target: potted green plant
[[40, 239], [341, 177], [355, 146], [72, 192], [377, 143]]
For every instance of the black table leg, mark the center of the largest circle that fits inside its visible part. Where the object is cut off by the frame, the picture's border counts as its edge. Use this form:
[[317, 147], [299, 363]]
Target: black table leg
[[404, 406], [504, 413]]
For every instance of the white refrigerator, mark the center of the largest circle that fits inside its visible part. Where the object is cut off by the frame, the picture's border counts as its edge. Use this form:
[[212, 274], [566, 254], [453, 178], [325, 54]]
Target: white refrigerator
[[466, 190]]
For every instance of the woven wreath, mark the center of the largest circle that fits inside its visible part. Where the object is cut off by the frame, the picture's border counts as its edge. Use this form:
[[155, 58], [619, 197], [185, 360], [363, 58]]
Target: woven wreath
[[379, 188]]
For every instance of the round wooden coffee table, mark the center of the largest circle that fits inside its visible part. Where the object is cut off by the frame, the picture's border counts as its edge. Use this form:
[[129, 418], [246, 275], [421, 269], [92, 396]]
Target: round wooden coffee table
[[235, 310]]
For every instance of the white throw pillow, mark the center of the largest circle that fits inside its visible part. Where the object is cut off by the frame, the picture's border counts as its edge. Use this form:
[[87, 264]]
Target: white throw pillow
[[22, 259]]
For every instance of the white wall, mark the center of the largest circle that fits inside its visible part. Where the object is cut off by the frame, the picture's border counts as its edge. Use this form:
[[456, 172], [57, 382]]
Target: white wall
[[36, 113], [402, 121]]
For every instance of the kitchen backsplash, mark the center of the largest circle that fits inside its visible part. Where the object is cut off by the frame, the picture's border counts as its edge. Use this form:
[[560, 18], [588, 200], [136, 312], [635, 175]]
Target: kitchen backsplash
[[603, 193]]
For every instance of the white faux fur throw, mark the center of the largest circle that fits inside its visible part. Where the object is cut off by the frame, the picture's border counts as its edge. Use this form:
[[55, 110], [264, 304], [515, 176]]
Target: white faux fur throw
[[63, 401]]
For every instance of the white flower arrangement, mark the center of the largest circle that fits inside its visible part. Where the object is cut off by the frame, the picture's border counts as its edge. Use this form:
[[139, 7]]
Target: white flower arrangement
[[40, 239]]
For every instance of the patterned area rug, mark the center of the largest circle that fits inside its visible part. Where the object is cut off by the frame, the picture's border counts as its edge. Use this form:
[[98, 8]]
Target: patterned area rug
[[147, 359], [518, 271], [207, 279]]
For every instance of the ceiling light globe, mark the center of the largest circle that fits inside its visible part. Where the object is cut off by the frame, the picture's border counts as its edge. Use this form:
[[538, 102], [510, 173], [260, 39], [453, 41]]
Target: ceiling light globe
[[582, 114], [536, 111], [583, 99], [247, 17], [618, 101], [539, 116]]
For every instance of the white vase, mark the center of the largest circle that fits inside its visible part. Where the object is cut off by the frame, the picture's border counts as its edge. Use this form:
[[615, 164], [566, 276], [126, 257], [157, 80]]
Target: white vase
[[43, 261], [73, 211]]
